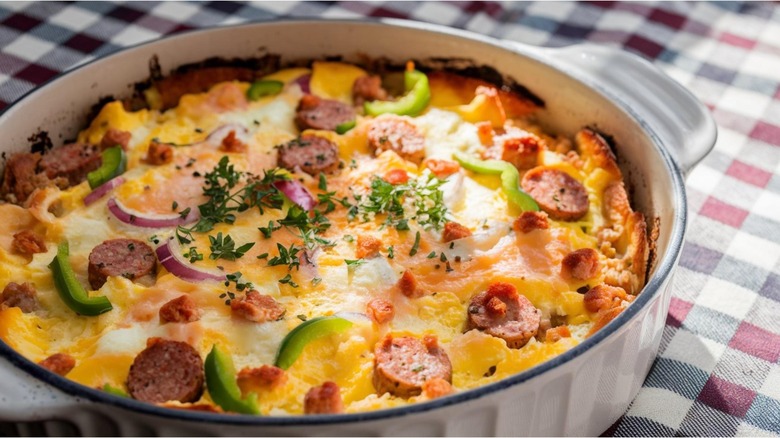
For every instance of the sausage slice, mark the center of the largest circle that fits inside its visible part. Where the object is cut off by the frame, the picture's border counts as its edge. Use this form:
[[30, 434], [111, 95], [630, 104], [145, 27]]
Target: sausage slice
[[266, 377], [128, 258], [309, 153], [531, 220], [325, 399], [557, 193], [380, 310], [454, 231], [115, 137], [402, 365], [316, 113], [71, 161], [502, 312], [166, 370], [23, 296], [398, 135]]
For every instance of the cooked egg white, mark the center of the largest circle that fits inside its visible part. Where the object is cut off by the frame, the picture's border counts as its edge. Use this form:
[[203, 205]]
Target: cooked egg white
[[104, 346]]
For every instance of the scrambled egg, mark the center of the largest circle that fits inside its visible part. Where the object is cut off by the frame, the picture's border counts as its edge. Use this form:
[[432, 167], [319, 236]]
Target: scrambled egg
[[104, 346]]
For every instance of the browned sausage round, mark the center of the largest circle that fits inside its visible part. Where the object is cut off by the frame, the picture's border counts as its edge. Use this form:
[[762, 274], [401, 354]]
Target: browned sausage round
[[166, 370], [317, 113], [309, 153], [180, 309], [502, 312], [581, 264], [72, 162], [128, 258], [380, 310], [23, 296], [325, 399], [557, 193], [398, 135], [20, 178], [402, 365]]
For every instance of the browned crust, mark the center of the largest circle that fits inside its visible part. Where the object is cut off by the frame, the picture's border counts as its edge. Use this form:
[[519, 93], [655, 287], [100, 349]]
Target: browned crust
[[623, 239], [515, 104]]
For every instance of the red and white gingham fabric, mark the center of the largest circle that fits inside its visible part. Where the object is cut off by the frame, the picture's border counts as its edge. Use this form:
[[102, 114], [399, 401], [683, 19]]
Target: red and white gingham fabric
[[718, 371]]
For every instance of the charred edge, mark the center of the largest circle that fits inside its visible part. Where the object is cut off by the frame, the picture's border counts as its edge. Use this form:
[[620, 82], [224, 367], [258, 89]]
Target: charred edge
[[39, 142], [652, 245], [608, 138], [264, 64]]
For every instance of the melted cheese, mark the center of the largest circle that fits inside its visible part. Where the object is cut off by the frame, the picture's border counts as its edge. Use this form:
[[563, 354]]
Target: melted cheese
[[104, 346]]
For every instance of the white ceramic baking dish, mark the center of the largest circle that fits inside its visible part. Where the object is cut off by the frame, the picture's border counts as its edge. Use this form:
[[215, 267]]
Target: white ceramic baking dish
[[661, 129]]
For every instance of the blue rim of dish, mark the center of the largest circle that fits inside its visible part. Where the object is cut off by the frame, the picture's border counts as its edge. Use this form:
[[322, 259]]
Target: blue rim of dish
[[651, 289]]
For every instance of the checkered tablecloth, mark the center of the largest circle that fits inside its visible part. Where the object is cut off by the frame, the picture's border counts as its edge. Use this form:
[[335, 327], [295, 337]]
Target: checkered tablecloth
[[718, 372]]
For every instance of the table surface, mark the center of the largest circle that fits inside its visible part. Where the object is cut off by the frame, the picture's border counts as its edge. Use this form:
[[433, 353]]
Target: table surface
[[718, 371]]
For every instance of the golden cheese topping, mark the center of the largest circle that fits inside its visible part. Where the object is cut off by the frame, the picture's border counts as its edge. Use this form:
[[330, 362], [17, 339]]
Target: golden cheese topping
[[448, 285]]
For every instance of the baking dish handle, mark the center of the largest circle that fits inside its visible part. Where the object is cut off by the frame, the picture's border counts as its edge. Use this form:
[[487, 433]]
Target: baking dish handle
[[682, 122], [25, 398]]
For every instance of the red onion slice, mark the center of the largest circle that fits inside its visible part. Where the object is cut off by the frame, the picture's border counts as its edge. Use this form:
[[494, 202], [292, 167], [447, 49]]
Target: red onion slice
[[297, 193], [104, 188], [219, 134], [169, 256], [303, 82], [147, 220]]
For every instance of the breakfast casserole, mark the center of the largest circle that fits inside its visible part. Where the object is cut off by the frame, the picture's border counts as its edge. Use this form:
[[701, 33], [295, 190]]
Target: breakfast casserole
[[319, 239]]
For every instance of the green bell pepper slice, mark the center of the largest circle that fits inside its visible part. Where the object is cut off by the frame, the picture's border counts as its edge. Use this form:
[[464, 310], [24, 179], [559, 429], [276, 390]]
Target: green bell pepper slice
[[293, 344], [345, 127], [222, 386], [69, 288], [114, 164], [114, 390], [264, 88], [510, 178], [418, 94]]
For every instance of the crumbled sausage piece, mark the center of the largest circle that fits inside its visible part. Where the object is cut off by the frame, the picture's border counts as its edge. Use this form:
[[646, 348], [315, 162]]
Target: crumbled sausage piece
[[603, 297], [454, 231], [257, 307], [436, 387], [180, 309], [380, 310], [522, 151], [266, 377], [396, 176], [408, 285], [159, 153], [115, 137], [232, 144], [531, 220], [27, 243], [367, 246], [23, 296], [581, 264], [325, 399], [555, 334], [441, 168], [367, 89], [59, 363]]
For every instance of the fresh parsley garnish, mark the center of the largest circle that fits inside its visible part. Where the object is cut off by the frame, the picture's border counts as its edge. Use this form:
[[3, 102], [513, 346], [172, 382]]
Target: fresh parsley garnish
[[193, 255], [416, 244], [225, 247], [419, 199]]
